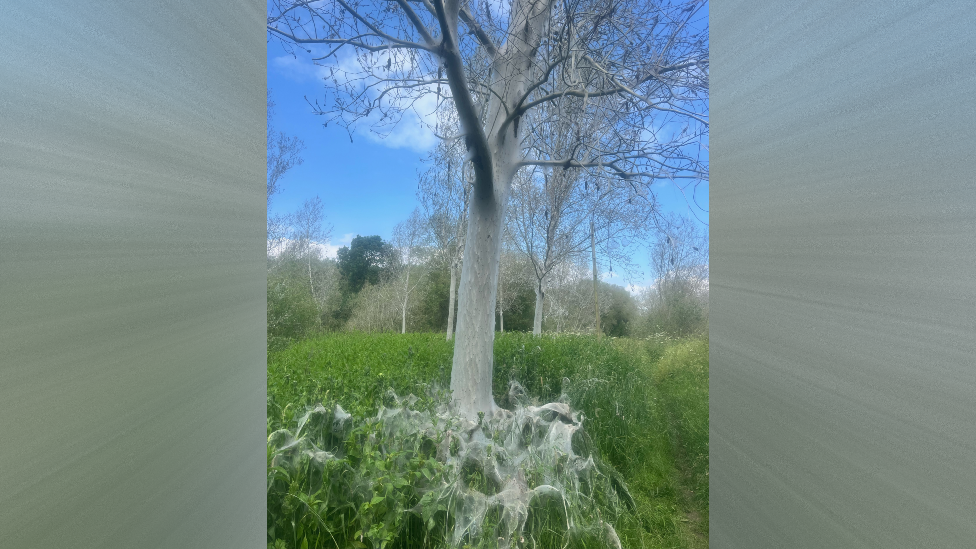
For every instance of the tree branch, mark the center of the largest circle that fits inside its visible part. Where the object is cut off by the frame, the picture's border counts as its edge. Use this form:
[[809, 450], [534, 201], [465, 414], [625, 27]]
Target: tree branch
[[352, 41], [417, 23], [475, 138], [479, 33]]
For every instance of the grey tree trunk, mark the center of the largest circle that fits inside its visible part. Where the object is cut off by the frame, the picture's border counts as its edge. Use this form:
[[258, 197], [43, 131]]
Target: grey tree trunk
[[471, 376], [450, 302], [311, 286], [494, 155], [539, 296], [596, 293], [406, 296], [501, 307]]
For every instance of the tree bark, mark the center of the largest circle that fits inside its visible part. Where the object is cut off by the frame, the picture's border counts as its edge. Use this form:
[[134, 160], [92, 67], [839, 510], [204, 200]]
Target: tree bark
[[311, 286], [406, 296], [495, 155], [596, 293], [539, 297], [471, 375], [450, 302]]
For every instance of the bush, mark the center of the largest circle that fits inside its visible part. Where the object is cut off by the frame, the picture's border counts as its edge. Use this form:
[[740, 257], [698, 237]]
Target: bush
[[292, 312]]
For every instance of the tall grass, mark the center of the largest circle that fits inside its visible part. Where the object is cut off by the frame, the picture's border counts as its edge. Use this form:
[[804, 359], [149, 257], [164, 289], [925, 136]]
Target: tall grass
[[644, 403]]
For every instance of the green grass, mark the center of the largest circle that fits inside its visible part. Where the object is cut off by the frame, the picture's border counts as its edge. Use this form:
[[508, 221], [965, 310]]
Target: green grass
[[645, 405]]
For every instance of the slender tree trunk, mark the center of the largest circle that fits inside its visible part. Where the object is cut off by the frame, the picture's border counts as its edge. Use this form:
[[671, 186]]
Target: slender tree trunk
[[539, 296], [501, 308], [406, 295], [311, 286], [450, 302], [596, 293]]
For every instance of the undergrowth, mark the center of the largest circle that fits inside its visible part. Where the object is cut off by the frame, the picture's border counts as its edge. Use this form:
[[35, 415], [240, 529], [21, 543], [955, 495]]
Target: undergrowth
[[642, 403]]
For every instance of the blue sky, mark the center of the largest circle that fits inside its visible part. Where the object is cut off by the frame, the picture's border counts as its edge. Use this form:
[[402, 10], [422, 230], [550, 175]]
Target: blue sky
[[369, 185]]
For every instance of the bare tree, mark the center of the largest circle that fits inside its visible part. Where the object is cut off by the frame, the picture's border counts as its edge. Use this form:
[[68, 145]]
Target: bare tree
[[639, 66], [556, 218], [568, 296], [680, 261], [409, 243], [444, 193], [513, 279], [284, 153], [307, 233]]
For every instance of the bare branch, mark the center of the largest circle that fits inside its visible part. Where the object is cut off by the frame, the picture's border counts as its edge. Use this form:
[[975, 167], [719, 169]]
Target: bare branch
[[483, 38]]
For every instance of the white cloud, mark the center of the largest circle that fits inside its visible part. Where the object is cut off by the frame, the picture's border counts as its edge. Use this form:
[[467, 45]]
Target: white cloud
[[326, 249], [298, 70], [636, 289], [410, 132]]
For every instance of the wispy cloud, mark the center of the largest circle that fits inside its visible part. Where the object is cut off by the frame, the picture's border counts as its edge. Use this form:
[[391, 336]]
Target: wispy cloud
[[636, 289], [410, 132], [325, 249], [298, 70]]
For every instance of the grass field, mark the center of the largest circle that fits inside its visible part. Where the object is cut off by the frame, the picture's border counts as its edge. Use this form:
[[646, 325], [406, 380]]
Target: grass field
[[645, 404]]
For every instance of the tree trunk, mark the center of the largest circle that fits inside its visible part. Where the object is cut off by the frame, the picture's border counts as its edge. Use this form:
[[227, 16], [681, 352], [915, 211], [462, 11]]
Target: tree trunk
[[406, 295], [450, 302], [471, 375], [494, 155], [539, 296], [596, 293], [311, 286]]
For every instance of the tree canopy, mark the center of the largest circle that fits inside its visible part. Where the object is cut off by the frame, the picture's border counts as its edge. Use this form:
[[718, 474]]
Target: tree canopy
[[362, 261]]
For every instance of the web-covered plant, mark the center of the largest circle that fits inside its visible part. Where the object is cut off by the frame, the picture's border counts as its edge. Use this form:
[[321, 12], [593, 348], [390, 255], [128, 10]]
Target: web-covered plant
[[525, 477]]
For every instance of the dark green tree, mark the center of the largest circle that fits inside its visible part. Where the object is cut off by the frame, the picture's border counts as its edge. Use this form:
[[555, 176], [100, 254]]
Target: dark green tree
[[362, 261], [620, 313]]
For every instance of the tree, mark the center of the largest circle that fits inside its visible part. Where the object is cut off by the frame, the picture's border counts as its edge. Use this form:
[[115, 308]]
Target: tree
[[556, 217], [444, 192], [408, 243], [307, 233], [569, 297], [513, 278], [376, 308], [680, 259], [284, 153], [621, 311], [640, 67], [292, 308], [362, 261]]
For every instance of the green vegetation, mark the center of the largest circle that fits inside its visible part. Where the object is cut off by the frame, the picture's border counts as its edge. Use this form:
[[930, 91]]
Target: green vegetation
[[643, 403]]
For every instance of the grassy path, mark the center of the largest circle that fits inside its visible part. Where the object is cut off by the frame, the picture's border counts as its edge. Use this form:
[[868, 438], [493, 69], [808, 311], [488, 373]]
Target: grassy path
[[680, 380]]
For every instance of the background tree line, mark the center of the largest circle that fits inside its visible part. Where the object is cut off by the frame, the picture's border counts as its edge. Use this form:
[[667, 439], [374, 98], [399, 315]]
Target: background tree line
[[409, 282]]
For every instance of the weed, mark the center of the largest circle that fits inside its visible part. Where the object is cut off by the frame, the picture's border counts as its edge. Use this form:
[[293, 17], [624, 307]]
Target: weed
[[358, 482]]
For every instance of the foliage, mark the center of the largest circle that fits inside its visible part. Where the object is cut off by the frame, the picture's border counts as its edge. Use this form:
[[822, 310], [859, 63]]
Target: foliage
[[680, 311], [362, 261], [292, 311], [678, 304], [377, 309], [644, 403], [620, 311], [682, 375], [431, 309]]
